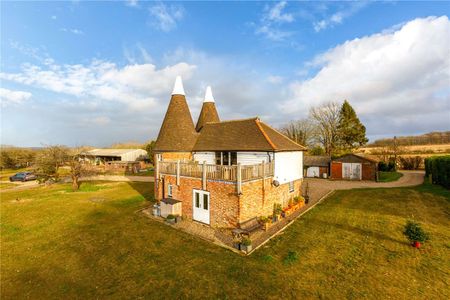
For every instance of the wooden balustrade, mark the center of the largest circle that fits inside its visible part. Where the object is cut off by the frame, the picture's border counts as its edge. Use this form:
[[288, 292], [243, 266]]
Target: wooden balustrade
[[217, 172]]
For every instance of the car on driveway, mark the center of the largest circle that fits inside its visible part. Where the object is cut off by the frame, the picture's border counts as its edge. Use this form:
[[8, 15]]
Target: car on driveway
[[23, 176]]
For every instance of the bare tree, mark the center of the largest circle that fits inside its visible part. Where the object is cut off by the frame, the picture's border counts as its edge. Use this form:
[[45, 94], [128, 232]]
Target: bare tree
[[301, 131], [79, 163], [326, 119]]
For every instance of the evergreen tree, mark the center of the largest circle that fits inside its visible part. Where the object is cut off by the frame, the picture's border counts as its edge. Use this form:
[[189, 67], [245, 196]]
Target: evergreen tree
[[352, 133]]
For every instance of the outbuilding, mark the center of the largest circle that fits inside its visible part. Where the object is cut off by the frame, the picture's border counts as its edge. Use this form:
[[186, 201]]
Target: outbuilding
[[103, 156], [316, 166], [354, 167]]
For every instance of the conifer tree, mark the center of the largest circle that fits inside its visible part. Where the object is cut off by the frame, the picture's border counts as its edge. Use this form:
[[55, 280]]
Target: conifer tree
[[352, 133]]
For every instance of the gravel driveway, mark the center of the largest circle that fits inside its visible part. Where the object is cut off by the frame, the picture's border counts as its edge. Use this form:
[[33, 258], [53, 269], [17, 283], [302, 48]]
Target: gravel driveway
[[320, 187]]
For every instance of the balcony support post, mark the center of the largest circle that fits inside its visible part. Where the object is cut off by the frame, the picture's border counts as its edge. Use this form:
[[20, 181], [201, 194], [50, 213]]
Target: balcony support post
[[204, 176]]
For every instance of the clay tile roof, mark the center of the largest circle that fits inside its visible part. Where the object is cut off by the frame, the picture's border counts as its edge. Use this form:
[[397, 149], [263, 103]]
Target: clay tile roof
[[208, 114], [177, 131], [316, 160], [243, 135]]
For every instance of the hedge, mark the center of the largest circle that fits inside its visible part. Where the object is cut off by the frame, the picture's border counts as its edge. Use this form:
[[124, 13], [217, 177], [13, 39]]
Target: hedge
[[439, 169]]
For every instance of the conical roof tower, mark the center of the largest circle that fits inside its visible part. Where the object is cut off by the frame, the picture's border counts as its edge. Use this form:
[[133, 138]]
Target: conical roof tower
[[208, 113], [177, 133]]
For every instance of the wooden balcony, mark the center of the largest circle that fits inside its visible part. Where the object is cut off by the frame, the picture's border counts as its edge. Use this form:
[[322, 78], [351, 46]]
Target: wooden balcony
[[235, 173]]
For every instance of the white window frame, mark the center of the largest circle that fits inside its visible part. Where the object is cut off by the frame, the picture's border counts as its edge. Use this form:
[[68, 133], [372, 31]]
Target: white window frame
[[169, 190], [291, 187]]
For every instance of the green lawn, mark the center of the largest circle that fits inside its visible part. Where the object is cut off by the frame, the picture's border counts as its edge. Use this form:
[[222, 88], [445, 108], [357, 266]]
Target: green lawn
[[91, 244], [389, 176]]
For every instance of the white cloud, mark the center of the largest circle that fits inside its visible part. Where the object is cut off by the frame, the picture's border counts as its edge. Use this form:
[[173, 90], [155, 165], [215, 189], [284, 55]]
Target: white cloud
[[339, 16], [395, 78], [274, 79], [136, 86], [166, 16], [276, 14], [271, 20], [73, 30], [132, 3], [8, 97]]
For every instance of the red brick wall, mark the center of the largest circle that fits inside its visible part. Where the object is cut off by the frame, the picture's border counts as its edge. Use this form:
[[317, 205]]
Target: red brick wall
[[254, 202], [227, 209], [224, 202], [336, 170]]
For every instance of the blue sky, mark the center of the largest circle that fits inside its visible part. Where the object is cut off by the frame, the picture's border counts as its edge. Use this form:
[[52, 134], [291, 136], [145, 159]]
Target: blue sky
[[97, 73]]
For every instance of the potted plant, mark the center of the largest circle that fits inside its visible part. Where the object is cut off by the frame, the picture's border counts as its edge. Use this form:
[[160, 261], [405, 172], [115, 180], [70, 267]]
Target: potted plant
[[265, 221], [171, 219], [414, 232], [246, 245], [277, 210]]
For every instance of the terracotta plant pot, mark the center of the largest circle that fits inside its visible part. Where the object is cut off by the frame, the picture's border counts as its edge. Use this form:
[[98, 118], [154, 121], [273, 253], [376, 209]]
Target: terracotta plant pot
[[416, 244]]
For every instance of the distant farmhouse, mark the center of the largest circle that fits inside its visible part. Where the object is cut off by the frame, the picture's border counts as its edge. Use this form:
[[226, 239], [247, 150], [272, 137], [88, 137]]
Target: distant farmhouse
[[127, 160], [223, 173]]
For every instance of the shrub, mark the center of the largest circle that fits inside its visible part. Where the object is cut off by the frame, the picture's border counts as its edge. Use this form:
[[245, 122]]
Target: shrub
[[246, 242], [410, 163], [277, 209], [439, 169], [291, 257], [414, 232], [386, 166], [171, 217]]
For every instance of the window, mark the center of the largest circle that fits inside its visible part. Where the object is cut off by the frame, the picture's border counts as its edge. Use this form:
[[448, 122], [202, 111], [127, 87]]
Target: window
[[197, 200], [226, 158], [169, 190], [291, 187], [205, 201]]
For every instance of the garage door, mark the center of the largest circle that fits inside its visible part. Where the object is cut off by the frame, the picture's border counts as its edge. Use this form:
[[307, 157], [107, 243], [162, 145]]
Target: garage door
[[312, 172], [351, 171]]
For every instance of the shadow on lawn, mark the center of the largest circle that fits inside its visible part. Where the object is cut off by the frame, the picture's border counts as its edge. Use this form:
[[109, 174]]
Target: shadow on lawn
[[362, 232], [143, 188]]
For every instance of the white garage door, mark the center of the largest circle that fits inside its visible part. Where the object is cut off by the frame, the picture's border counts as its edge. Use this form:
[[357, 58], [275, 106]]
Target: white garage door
[[312, 172], [351, 171]]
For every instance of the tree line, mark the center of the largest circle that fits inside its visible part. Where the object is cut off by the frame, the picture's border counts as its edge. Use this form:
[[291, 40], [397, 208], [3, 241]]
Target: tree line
[[331, 129], [431, 138]]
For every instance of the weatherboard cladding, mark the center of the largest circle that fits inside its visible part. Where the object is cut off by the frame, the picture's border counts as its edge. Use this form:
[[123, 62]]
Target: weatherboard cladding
[[177, 131]]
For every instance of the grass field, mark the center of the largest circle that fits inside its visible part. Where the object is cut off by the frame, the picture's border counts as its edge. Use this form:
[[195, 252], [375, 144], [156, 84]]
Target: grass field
[[389, 176], [91, 244]]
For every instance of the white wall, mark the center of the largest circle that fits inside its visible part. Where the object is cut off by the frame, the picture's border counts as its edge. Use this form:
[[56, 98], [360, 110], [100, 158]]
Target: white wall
[[288, 166], [252, 158], [133, 155], [209, 157]]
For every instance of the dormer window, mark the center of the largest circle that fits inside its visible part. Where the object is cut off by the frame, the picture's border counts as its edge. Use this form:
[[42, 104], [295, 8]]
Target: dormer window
[[226, 158]]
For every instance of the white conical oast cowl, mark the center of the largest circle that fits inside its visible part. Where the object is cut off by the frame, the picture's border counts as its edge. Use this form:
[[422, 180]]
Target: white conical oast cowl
[[208, 95], [178, 87]]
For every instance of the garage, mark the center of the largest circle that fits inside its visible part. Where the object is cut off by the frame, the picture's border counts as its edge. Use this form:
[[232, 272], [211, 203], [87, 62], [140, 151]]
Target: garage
[[316, 166], [354, 167]]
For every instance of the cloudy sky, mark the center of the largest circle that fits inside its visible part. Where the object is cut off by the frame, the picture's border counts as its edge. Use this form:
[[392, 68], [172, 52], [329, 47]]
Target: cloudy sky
[[96, 73]]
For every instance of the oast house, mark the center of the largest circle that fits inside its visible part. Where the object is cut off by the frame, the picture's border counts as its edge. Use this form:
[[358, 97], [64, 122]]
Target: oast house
[[223, 173]]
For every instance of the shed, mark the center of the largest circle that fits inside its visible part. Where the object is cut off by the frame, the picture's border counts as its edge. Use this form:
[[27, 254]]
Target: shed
[[170, 206], [354, 167], [316, 166], [100, 156]]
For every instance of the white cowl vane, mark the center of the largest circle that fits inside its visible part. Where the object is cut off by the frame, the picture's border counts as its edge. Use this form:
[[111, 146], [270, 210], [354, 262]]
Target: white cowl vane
[[208, 95], [178, 87]]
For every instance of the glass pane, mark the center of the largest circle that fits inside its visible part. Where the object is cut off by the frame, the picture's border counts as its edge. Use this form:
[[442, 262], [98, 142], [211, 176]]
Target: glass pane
[[226, 158], [234, 158], [205, 201], [218, 158], [197, 200]]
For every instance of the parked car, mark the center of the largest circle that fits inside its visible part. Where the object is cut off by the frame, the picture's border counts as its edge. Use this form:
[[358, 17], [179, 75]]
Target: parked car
[[23, 176]]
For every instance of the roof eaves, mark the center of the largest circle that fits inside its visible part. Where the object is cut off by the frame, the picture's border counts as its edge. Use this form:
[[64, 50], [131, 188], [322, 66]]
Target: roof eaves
[[257, 121]]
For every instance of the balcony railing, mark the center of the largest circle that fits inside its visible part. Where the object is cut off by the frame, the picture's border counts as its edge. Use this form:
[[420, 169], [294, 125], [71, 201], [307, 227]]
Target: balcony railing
[[233, 173]]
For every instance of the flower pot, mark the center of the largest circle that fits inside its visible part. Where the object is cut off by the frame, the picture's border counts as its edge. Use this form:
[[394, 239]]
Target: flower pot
[[416, 244], [246, 249], [170, 221]]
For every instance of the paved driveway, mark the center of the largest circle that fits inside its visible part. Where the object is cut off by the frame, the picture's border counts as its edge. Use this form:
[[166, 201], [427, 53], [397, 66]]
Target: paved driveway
[[320, 187]]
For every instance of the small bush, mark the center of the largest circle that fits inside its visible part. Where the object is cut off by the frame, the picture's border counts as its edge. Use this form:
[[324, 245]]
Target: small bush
[[414, 232], [170, 217], [246, 242], [277, 209], [439, 169], [386, 166], [291, 257]]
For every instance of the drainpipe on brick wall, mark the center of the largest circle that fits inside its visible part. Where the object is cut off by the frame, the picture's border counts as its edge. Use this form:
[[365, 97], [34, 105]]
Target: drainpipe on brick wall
[[204, 176]]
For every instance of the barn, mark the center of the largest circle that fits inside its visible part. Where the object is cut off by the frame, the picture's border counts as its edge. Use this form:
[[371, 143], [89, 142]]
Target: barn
[[102, 156], [354, 167], [316, 166]]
